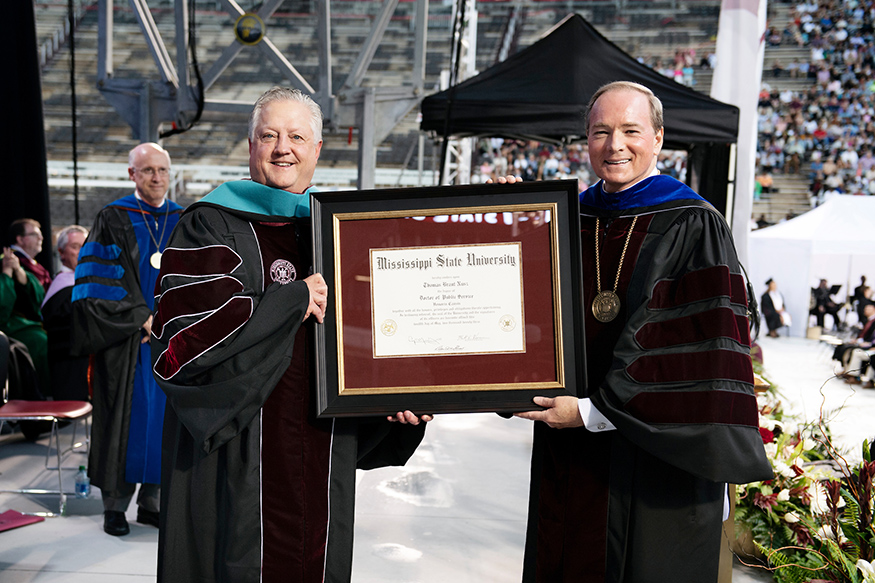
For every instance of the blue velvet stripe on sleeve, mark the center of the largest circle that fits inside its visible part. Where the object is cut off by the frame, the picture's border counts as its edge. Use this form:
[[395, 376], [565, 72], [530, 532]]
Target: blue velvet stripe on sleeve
[[92, 269], [98, 291], [95, 249]]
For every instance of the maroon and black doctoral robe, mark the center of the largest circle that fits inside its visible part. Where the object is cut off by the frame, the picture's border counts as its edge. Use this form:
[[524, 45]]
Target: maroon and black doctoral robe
[[255, 487], [643, 504]]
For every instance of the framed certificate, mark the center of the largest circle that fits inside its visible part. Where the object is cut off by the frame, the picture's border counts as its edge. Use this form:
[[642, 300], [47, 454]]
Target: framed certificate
[[448, 299]]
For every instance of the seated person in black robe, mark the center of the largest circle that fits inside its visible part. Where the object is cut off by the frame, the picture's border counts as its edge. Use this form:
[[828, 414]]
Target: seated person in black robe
[[773, 309], [69, 373]]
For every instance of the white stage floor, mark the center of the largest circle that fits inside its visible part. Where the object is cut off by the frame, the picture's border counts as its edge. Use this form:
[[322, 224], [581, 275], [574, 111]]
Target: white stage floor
[[455, 513]]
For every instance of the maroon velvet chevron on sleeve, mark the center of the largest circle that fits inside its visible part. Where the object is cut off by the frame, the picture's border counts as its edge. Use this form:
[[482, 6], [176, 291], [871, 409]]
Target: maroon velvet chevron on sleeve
[[688, 382], [695, 286], [716, 323], [207, 307], [200, 261]]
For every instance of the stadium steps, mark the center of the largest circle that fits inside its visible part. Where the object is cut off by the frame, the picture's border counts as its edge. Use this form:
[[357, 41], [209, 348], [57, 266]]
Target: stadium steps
[[792, 197]]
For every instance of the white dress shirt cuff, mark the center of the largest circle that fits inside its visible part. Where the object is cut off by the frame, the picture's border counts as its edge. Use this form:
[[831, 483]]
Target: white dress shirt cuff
[[593, 420]]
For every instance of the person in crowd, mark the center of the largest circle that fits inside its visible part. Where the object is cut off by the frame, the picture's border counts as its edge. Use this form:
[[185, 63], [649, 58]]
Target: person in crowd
[[26, 240], [254, 486], [832, 118], [862, 296], [20, 296], [113, 298], [766, 181], [629, 481], [822, 304], [856, 355], [69, 373], [773, 309]]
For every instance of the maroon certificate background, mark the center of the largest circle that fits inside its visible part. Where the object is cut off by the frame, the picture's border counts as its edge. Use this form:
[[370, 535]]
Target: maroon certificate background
[[538, 364]]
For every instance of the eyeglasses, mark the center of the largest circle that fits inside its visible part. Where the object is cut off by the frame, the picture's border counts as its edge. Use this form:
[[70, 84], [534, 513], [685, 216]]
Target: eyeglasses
[[148, 171]]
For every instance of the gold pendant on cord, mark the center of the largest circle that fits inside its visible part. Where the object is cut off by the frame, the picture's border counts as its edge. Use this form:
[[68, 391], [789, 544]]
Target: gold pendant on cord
[[606, 306]]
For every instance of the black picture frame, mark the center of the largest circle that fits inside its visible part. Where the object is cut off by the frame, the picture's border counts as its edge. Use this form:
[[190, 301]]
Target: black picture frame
[[346, 223]]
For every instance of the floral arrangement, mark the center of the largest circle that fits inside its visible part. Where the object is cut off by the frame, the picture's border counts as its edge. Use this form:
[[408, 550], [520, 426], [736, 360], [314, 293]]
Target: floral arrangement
[[813, 522]]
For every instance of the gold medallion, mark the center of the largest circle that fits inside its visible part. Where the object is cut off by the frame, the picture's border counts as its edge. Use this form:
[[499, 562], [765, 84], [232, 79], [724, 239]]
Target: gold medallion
[[155, 260], [606, 306]]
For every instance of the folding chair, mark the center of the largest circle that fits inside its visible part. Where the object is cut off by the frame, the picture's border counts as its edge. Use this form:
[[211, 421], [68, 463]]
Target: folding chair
[[54, 411]]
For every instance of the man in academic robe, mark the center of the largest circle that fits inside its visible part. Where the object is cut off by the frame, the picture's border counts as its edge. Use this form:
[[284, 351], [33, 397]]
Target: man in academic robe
[[112, 315], [26, 240], [629, 482], [772, 307], [254, 486], [69, 373]]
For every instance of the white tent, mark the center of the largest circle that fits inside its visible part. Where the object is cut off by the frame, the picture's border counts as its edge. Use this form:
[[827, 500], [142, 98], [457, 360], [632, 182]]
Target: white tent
[[835, 241]]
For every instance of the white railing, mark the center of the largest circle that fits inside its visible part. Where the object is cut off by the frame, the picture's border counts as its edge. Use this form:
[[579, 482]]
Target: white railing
[[198, 179]]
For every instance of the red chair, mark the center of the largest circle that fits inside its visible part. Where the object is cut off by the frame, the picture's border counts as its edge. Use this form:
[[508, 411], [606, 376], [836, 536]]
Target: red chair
[[54, 411]]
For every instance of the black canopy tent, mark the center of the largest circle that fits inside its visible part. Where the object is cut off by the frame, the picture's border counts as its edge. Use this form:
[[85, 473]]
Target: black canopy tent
[[541, 92]]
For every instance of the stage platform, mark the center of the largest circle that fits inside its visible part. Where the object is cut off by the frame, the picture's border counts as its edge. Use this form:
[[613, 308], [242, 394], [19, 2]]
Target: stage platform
[[455, 513]]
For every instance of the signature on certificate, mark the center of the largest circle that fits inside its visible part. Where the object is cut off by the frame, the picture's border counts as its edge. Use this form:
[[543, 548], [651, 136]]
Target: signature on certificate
[[417, 340]]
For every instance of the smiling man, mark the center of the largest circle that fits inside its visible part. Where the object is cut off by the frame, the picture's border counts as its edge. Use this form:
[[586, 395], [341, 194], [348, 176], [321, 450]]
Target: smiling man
[[629, 483], [256, 488], [112, 303]]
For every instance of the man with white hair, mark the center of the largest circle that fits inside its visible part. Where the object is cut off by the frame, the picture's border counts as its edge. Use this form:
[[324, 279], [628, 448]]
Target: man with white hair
[[69, 373], [112, 316], [255, 488]]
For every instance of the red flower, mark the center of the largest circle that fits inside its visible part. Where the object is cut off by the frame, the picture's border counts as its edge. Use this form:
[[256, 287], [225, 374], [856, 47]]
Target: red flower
[[765, 502], [803, 537], [768, 436], [801, 492]]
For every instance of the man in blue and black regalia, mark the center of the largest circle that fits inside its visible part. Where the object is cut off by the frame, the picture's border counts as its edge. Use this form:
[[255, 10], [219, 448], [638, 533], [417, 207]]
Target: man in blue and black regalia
[[629, 483], [113, 297]]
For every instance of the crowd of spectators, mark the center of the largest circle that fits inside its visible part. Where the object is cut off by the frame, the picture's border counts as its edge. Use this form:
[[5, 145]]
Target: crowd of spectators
[[681, 67], [495, 157], [827, 131]]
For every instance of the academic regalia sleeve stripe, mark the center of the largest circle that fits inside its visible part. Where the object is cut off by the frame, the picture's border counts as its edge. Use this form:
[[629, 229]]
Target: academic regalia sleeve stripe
[[95, 249], [92, 269], [201, 261], [692, 367], [739, 290], [695, 286], [716, 323], [195, 340], [695, 407], [193, 299], [98, 291]]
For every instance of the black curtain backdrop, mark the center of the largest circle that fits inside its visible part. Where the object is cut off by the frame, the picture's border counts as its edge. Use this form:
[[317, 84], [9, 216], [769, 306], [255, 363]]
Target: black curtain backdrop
[[26, 189], [541, 92]]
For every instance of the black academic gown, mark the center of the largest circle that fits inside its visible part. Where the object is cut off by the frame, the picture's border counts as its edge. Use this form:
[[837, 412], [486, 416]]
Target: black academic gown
[[69, 373], [773, 318], [253, 484], [643, 503], [112, 299]]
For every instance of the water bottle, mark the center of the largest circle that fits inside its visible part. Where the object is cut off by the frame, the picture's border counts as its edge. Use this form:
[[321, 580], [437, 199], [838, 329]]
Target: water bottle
[[83, 483]]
